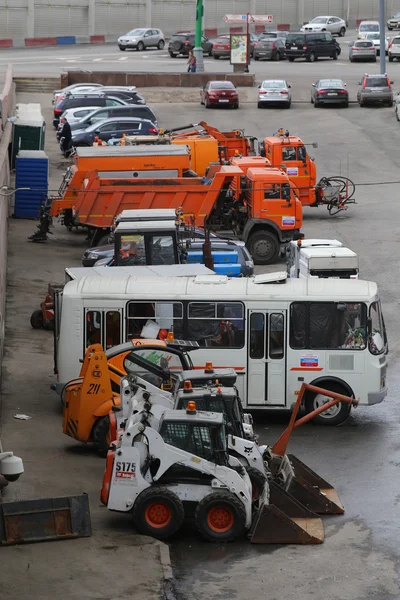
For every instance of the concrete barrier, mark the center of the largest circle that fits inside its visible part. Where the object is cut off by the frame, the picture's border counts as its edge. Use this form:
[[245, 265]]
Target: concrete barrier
[[142, 79]]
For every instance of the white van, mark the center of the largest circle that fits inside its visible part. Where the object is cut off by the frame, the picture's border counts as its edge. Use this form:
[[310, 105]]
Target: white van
[[322, 259], [367, 27]]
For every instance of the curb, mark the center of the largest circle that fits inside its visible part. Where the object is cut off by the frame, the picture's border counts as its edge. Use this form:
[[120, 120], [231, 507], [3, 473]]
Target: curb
[[165, 559]]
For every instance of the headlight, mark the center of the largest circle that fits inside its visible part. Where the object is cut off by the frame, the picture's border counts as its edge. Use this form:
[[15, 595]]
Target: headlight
[[92, 255]]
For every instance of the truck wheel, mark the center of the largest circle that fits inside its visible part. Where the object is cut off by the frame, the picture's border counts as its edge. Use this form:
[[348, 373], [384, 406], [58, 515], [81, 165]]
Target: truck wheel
[[220, 517], [158, 512], [333, 416], [258, 481], [37, 319], [101, 436], [264, 247]]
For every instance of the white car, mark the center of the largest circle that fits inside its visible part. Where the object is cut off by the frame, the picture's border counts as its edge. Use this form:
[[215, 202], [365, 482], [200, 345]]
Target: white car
[[394, 49], [333, 24], [77, 88], [367, 27], [394, 22], [74, 115], [375, 39]]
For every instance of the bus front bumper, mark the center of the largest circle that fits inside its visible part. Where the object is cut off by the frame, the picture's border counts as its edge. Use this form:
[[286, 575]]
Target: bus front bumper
[[377, 397]]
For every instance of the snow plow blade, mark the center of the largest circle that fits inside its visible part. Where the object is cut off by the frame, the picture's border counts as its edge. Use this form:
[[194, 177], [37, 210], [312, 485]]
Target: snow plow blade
[[311, 490], [285, 521]]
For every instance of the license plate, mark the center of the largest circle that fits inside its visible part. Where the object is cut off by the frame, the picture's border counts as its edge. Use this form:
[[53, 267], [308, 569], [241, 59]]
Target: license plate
[[262, 53], [223, 100], [376, 91], [332, 94]]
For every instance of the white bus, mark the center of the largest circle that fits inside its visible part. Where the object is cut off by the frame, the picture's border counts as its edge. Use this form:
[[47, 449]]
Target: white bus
[[276, 332]]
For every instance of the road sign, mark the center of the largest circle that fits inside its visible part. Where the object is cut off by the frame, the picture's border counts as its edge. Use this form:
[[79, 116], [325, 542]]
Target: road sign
[[252, 18]]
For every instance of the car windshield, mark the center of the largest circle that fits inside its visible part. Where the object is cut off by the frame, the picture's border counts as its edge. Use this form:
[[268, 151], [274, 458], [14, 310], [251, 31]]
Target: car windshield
[[268, 35], [221, 85], [295, 38], [222, 41], [376, 82], [364, 44], [372, 36], [136, 32], [319, 20], [331, 83], [273, 84], [369, 27], [179, 37]]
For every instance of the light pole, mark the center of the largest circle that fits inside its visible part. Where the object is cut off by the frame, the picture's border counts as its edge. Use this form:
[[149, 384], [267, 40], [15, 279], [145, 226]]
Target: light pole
[[382, 39], [198, 50]]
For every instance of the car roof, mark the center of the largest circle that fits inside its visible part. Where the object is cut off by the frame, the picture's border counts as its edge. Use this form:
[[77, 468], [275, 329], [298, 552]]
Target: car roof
[[124, 119], [369, 22]]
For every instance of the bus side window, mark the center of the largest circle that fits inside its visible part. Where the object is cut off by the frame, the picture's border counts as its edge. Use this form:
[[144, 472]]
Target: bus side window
[[256, 335], [113, 328], [276, 336], [298, 324], [93, 327]]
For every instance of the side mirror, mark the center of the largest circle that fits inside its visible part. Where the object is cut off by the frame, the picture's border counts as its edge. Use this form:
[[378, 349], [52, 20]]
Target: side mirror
[[290, 87], [203, 87], [259, 87], [359, 83], [313, 84], [345, 84], [315, 145], [97, 131], [392, 82]]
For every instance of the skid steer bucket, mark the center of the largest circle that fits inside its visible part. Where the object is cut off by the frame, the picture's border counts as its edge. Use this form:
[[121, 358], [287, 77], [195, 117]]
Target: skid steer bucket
[[296, 478], [284, 520]]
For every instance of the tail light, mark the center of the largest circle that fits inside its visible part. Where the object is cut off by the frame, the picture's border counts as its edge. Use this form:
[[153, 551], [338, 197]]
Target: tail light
[[262, 92], [343, 92], [388, 81], [304, 47], [113, 426], [187, 43], [153, 130], [105, 490], [321, 92], [273, 46], [57, 111], [354, 48], [284, 92], [364, 83], [391, 44]]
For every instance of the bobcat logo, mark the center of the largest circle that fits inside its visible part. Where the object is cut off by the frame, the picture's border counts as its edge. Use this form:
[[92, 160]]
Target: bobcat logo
[[248, 450]]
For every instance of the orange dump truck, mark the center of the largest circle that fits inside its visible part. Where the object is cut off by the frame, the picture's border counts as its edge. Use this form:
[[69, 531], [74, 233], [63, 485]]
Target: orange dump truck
[[289, 151], [259, 205]]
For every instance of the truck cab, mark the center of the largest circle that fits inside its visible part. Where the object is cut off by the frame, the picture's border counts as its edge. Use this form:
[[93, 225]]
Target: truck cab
[[321, 259], [146, 243], [289, 152]]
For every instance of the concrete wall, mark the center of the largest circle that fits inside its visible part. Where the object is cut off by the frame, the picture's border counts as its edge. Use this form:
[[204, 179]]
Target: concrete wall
[[7, 104], [145, 80], [30, 20]]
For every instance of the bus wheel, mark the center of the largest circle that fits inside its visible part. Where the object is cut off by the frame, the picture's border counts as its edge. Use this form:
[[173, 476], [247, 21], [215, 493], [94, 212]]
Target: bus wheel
[[336, 415], [264, 247]]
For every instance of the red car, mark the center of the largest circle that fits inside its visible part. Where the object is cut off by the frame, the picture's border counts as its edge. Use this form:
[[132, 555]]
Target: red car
[[222, 46], [219, 93]]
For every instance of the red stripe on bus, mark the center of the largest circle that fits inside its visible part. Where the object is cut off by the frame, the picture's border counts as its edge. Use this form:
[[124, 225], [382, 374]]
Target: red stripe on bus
[[224, 367], [307, 369]]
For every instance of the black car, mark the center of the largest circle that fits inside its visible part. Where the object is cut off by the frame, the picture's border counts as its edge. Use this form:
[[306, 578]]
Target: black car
[[132, 110], [311, 46], [329, 91], [73, 100], [130, 96], [269, 48], [112, 128], [181, 43]]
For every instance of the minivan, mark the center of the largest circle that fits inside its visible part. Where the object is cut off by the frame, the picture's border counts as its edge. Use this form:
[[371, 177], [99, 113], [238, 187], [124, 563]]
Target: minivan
[[75, 100], [311, 46], [131, 110], [367, 27]]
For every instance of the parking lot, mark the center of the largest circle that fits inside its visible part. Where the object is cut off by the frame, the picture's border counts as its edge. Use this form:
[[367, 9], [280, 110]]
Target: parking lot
[[359, 558]]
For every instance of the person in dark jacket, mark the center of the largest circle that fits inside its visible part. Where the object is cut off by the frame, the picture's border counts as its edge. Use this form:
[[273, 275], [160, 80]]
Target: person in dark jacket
[[66, 134]]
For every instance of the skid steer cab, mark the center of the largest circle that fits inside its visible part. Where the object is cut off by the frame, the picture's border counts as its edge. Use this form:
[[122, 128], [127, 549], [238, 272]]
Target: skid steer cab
[[289, 152], [88, 400]]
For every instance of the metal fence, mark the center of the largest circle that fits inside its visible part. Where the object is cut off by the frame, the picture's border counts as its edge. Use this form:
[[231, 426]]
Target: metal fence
[[47, 18]]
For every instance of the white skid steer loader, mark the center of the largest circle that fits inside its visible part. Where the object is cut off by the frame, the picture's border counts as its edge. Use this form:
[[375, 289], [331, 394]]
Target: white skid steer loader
[[168, 462]]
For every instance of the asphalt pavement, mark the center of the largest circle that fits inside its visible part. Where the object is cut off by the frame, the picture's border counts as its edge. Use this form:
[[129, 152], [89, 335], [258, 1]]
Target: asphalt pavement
[[50, 61], [359, 559]]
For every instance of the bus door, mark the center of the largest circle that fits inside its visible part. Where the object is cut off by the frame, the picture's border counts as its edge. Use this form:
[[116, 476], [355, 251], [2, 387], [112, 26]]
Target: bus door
[[103, 327], [266, 379]]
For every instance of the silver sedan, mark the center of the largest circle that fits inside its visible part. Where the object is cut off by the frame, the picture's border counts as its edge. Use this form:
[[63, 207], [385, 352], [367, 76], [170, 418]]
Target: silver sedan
[[335, 25], [274, 91]]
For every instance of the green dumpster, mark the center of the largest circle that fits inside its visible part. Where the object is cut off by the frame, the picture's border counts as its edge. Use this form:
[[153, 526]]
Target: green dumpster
[[29, 130]]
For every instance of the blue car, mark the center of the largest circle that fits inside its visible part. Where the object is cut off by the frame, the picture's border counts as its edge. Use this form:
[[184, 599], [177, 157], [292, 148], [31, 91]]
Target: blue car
[[112, 128]]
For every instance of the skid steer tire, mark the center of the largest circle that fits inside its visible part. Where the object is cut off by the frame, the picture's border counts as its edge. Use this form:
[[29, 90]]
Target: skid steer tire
[[220, 517], [100, 436], [37, 319], [158, 512], [258, 480], [337, 415]]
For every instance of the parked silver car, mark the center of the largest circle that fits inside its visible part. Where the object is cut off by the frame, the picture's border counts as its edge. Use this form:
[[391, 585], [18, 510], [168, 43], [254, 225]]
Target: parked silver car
[[362, 50], [375, 88], [74, 115], [394, 49], [394, 22], [274, 91], [335, 25], [141, 39]]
